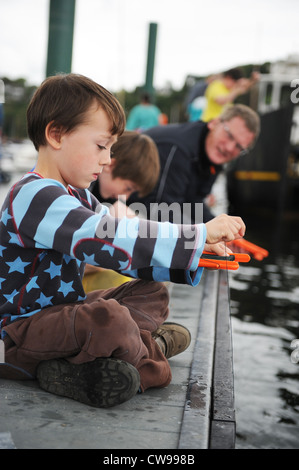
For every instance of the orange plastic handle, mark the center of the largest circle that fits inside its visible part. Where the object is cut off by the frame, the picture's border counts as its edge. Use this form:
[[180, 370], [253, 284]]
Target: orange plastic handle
[[231, 261], [256, 251], [203, 263]]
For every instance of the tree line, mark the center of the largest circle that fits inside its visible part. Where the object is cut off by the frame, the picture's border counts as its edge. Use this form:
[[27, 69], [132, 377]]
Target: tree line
[[171, 102]]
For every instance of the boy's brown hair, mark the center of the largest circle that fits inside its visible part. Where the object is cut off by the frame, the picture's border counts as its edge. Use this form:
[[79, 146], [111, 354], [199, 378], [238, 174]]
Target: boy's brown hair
[[136, 159], [64, 100]]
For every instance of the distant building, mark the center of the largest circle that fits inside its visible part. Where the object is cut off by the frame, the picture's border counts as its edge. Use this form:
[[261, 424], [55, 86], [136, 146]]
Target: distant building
[[279, 88]]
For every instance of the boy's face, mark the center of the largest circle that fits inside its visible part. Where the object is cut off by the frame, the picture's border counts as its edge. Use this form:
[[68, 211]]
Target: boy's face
[[85, 151], [113, 188]]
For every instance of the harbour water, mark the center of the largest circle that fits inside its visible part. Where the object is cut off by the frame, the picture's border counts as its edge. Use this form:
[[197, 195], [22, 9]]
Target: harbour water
[[264, 298]]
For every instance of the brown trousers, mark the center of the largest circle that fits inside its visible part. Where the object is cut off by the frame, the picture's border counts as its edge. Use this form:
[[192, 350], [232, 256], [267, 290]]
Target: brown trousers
[[115, 322]]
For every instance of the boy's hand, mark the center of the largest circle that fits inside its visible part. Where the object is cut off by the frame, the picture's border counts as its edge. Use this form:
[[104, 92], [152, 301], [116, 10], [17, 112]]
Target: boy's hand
[[224, 228], [219, 249]]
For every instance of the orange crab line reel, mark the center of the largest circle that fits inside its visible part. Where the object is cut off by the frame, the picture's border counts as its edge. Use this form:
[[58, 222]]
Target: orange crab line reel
[[231, 261], [256, 251]]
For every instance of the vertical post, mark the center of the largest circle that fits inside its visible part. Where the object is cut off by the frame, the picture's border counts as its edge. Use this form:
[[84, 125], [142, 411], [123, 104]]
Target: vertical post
[[151, 58], [60, 40]]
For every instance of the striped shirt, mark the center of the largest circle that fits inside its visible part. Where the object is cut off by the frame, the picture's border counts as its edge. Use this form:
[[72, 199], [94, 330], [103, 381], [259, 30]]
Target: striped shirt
[[48, 233]]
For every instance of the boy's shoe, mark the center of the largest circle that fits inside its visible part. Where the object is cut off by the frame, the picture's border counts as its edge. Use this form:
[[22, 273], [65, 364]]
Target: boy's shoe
[[172, 338], [102, 383]]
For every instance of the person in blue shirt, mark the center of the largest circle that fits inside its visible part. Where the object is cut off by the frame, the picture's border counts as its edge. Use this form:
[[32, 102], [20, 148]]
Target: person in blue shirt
[[143, 115]]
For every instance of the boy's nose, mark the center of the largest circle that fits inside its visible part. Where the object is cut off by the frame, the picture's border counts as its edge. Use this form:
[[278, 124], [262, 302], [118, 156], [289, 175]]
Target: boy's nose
[[107, 159]]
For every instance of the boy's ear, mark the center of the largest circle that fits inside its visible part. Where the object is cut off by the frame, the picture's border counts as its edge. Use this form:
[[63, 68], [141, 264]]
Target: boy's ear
[[53, 135]]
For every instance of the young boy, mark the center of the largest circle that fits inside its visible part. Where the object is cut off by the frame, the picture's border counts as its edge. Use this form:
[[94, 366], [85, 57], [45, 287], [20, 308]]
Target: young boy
[[134, 167], [103, 347]]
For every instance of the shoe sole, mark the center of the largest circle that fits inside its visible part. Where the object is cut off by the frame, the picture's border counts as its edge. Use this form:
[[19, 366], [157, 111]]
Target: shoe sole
[[102, 383]]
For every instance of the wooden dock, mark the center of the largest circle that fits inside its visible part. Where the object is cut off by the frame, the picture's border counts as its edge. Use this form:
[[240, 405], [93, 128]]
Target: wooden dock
[[196, 411]]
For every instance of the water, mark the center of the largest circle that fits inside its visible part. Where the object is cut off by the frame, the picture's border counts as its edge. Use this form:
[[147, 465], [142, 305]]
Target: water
[[265, 320]]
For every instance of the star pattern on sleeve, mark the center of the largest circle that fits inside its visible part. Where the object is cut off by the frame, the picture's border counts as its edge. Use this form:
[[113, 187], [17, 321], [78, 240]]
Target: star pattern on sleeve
[[14, 238], [89, 259], [66, 288], [10, 297], [54, 270], [44, 301], [5, 217], [17, 265], [123, 265], [109, 248], [32, 284]]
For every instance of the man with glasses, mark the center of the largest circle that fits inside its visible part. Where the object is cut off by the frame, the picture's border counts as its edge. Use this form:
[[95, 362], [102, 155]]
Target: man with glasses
[[192, 155]]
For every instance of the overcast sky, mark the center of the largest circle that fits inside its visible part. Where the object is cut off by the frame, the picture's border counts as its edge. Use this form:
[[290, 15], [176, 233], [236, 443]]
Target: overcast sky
[[111, 38]]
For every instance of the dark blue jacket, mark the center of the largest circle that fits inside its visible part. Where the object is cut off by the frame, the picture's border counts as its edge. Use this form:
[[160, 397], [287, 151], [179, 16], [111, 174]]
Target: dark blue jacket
[[187, 175]]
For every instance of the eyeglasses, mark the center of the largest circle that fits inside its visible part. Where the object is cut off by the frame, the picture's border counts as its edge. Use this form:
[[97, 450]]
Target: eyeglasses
[[242, 151]]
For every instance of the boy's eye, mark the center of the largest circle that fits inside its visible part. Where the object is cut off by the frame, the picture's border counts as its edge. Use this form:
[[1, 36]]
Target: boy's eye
[[101, 147]]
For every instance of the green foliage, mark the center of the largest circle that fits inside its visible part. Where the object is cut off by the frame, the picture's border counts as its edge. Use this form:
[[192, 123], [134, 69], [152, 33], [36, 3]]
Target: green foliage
[[17, 97]]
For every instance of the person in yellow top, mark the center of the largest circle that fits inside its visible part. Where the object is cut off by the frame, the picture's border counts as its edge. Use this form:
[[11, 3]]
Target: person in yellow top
[[223, 91]]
